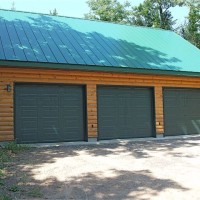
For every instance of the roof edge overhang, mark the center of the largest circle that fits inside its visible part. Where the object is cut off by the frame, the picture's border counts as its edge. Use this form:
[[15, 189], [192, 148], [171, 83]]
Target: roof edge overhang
[[62, 66]]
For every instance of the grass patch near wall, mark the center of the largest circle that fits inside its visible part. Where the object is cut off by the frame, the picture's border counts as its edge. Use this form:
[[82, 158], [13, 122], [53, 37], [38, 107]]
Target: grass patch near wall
[[7, 153], [15, 148]]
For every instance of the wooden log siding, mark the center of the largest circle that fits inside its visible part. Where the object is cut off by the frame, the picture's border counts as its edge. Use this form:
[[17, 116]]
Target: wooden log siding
[[159, 117], [6, 111], [91, 79], [92, 110]]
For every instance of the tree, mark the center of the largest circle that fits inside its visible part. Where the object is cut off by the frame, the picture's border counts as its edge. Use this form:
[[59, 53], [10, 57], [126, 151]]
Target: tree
[[155, 13], [13, 6], [108, 10], [191, 30], [54, 12]]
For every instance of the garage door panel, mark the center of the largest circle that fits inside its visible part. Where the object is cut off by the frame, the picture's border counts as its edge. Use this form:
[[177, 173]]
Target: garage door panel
[[124, 112], [29, 123], [49, 123], [28, 112], [50, 133], [51, 138], [28, 101], [107, 102], [51, 113], [181, 110], [72, 110], [48, 101], [192, 127], [196, 126], [29, 138]]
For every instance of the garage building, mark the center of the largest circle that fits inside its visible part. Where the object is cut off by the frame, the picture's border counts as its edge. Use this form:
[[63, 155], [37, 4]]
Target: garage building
[[67, 79]]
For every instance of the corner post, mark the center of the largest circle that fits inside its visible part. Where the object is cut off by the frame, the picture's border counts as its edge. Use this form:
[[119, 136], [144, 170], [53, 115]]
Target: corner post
[[159, 116]]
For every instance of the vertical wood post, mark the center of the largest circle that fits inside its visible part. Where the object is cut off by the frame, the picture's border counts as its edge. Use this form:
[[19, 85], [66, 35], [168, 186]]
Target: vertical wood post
[[92, 110], [159, 116]]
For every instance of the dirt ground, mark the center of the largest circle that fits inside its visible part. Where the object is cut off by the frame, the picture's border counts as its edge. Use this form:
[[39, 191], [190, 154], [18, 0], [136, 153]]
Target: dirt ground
[[158, 169]]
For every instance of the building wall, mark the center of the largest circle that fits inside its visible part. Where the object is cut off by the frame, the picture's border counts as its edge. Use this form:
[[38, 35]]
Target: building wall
[[9, 76]]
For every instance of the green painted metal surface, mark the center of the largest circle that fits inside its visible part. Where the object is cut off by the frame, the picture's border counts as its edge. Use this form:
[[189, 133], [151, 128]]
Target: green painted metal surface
[[38, 38], [49, 113], [125, 112], [182, 111]]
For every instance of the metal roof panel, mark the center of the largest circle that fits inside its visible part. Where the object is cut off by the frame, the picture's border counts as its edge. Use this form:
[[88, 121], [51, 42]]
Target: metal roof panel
[[55, 39]]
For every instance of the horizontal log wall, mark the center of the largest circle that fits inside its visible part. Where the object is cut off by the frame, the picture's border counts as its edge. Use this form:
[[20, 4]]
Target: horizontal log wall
[[159, 116], [91, 79], [92, 110], [6, 111]]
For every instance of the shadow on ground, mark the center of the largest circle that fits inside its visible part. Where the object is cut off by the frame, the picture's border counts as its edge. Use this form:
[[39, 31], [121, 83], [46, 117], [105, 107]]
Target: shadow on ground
[[125, 184], [110, 184]]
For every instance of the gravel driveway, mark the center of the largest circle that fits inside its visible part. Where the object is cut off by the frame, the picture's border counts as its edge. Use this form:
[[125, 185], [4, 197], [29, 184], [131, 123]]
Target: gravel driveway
[[158, 169]]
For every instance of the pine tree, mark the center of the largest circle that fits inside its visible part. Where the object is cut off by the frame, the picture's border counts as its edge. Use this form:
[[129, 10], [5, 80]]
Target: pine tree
[[54, 12]]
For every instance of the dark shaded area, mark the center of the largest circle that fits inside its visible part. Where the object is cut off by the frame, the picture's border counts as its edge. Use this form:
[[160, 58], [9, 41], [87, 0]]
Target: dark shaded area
[[124, 184], [136, 184], [44, 39]]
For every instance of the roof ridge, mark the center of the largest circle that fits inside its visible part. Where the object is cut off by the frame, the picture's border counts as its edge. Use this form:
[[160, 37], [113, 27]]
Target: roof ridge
[[116, 23]]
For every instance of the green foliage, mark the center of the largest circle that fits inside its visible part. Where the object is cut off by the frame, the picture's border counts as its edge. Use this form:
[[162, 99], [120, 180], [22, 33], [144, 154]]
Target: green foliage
[[6, 153], [4, 156], [150, 13], [144, 14], [191, 30], [155, 13], [5, 197], [2, 183], [13, 7], [14, 188], [2, 173], [108, 10], [14, 147], [54, 12], [35, 193]]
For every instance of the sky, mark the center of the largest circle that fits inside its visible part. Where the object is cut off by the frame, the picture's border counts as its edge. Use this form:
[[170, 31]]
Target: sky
[[73, 8]]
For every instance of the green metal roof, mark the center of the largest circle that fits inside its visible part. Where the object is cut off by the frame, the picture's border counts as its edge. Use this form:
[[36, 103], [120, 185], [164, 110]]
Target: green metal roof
[[38, 40]]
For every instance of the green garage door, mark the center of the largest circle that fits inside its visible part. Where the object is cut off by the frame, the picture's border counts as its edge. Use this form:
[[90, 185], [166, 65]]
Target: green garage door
[[181, 111], [49, 113], [125, 112]]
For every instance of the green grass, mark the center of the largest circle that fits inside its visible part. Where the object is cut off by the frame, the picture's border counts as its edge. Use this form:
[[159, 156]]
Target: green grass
[[24, 179], [35, 193], [14, 188], [5, 197], [2, 183], [15, 148], [2, 174], [10, 148], [6, 154]]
